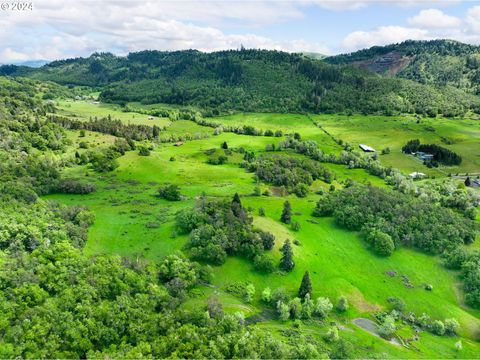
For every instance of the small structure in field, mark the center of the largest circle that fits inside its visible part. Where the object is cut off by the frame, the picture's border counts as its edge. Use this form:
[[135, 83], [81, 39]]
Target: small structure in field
[[178, 143], [366, 148], [476, 183], [423, 156], [151, 118], [417, 175]]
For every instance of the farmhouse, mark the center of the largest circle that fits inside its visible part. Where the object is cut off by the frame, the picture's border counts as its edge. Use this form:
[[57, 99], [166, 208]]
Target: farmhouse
[[417, 175], [366, 148]]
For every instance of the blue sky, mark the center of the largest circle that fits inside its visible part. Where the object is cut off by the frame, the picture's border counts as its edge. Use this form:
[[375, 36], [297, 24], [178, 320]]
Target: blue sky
[[65, 28]]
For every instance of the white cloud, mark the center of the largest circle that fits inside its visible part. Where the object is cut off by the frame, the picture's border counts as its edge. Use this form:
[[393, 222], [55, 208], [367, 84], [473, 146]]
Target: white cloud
[[350, 5], [382, 36], [473, 19], [434, 19], [63, 28]]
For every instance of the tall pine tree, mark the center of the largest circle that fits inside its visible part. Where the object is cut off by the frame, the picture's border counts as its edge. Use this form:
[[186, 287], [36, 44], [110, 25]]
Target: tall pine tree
[[305, 286], [286, 217], [286, 262]]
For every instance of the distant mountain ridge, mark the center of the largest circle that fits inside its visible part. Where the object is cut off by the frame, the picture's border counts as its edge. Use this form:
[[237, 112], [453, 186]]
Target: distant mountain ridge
[[260, 81]]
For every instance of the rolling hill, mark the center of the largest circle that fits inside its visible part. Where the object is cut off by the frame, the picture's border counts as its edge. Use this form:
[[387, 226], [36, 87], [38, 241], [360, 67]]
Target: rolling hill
[[437, 62], [250, 80]]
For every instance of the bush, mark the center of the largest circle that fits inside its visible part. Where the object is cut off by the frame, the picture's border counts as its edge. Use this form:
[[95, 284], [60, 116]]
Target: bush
[[438, 328], [170, 192], [263, 263], [295, 226], [387, 328], [268, 240], [342, 304], [323, 307], [301, 190], [72, 186], [451, 326], [143, 151], [380, 242], [267, 295]]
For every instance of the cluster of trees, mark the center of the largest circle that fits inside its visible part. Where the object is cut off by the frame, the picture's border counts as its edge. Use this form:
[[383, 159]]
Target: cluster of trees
[[219, 228], [440, 154], [107, 125], [302, 307], [398, 312], [388, 218], [469, 265], [294, 173]]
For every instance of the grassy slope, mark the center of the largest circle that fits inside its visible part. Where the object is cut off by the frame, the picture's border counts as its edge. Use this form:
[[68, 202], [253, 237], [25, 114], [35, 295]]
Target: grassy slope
[[381, 132], [338, 261]]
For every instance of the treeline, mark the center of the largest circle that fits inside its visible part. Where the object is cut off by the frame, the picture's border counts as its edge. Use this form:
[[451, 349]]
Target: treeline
[[389, 218], [107, 125], [440, 154], [469, 265], [253, 81]]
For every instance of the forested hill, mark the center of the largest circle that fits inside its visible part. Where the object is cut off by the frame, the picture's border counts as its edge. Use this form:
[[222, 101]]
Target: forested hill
[[436, 62], [249, 80]]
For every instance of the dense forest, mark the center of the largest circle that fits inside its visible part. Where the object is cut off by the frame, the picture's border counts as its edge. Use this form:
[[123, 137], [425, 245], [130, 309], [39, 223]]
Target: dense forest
[[249, 80]]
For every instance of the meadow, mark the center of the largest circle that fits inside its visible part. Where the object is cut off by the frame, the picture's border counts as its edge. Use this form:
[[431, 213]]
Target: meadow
[[380, 132], [132, 221]]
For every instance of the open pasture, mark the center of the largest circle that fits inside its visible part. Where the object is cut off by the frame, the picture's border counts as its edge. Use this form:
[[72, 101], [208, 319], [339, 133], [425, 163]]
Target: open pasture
[[85, 109], [132, 221], [380, 132]]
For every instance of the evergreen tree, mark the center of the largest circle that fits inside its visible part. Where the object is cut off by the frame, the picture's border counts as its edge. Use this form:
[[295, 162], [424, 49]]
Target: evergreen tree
[[467, 181], [225, 145], [236, 199], [286, 217], [286, 262], [305, 286]]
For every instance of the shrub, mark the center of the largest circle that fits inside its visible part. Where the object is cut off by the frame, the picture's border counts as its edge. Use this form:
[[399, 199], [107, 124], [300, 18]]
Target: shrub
[[322, 307], [263, 263], [438, 328], [72, 186], [249, 293], [295, 226], [387, 328], [451, 326], [170, 192], [342, 304], [143, 151], [267, 295], [380, 242], [268, 240]]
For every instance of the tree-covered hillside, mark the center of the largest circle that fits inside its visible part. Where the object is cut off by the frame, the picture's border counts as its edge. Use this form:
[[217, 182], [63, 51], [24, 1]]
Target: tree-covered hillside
[[437, 62], [249, 80]]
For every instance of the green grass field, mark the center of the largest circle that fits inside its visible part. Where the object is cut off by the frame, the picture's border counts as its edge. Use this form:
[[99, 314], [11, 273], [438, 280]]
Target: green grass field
[[380, 132], [83, 110], [132, 221]]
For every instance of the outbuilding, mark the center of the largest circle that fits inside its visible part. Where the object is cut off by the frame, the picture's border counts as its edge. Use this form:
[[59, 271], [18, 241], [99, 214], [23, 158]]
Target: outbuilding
[[366, 148], [417, 175]]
